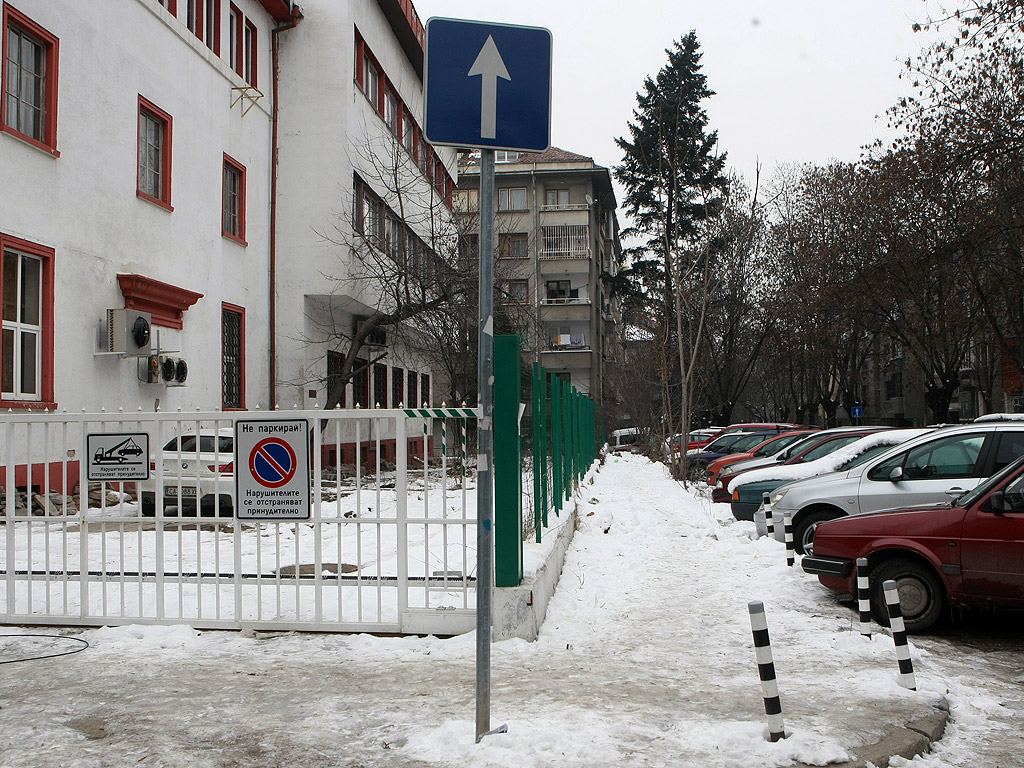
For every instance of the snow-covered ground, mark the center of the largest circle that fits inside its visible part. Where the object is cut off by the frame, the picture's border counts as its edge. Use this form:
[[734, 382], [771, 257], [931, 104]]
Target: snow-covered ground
[[645, 659]]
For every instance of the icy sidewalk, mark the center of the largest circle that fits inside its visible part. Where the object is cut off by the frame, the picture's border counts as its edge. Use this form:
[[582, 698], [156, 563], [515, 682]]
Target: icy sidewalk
[[645, 659]]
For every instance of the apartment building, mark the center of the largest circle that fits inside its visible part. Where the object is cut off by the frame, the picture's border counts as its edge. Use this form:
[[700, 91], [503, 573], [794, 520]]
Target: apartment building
[[556, 234]]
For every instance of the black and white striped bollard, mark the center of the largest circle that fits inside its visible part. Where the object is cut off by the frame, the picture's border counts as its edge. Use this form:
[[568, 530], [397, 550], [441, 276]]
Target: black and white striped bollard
[[766, 499], [766, 670], [787, 527], [863, 596], [899, 635]]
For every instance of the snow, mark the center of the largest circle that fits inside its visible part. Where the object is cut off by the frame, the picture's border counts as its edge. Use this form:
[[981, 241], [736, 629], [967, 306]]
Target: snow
[[1001, 417], [645, 658], [830, 463]]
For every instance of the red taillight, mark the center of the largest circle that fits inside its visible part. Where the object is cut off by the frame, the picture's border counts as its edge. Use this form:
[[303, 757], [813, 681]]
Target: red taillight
[[223, 469], [152, 466]]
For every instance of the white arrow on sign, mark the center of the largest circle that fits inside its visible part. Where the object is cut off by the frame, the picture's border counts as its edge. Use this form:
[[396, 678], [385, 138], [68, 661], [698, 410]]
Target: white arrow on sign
[[490, 67]]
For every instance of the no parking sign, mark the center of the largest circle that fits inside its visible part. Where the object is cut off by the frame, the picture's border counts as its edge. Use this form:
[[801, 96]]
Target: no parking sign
[[272, 469]]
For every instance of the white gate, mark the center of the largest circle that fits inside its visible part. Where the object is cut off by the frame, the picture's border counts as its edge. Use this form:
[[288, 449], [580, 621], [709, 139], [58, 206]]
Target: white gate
[[390, 544]]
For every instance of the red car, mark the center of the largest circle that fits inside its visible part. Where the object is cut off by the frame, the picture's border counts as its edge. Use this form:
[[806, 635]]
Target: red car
[[968, 552]]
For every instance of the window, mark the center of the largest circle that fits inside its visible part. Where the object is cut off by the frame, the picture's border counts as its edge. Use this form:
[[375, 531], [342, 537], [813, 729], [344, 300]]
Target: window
[[380, 386], [425, 388], [1011, 445], [503, 156], [397, 387], [558, 290], [518, 291], [334, 362], [391, 110], [410, 383], [408, 132], [371, 81], [29, 106], [946, 458], [232, 356], [512, 199], [170, 5], [192, 18], [424, 154], [569, 241], [154, 180], [235, 38], [556, 198], [26, 343], [249, 54], [361, 385], [393, 238], [234, 200], [212, 25], [466, 200], [513, 246]]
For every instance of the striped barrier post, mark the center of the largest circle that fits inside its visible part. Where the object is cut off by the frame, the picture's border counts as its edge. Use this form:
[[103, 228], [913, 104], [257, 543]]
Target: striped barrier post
[[787, 527], [899, 635], [766, 499], [863, 596], [766, 670]]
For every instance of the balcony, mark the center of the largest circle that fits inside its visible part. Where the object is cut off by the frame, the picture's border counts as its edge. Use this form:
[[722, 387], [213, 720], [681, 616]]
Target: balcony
[[567, 342], [570, 241]]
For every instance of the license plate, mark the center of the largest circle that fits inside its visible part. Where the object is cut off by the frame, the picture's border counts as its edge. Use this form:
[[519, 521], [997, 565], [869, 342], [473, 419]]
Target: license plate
[[186, 490]]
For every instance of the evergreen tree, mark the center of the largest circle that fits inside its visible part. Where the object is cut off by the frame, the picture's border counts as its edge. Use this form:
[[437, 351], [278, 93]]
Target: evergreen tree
[[674, 184]]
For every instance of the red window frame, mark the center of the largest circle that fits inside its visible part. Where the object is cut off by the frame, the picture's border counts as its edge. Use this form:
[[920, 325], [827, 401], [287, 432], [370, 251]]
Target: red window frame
[[237, 167], [250, 48], [235, 21], [227, 308], [11, 16], [212, 38], [170, 5], [46, 255], [164, 201]]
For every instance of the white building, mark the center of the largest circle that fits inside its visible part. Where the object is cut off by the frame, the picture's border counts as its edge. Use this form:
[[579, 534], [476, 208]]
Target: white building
[[138, 172], [135, 172]]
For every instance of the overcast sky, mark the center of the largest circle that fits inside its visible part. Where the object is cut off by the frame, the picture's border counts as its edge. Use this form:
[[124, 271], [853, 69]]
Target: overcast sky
[[795, 80]]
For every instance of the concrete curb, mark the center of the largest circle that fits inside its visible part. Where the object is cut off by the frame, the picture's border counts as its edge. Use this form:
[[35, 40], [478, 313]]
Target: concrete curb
[[907, 741], [520, 611]]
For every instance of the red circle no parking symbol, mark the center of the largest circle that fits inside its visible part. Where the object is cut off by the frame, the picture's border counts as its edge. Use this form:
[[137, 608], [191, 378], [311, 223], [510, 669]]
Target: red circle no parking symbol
[[272, 462]]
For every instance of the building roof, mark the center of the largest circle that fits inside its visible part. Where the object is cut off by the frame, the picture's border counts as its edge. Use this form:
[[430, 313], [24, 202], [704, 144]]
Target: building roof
[[553, 155]]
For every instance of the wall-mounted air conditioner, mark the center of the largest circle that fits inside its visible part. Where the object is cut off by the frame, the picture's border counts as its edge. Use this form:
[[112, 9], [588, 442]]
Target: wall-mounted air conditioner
[[173, 371], [128, 332]]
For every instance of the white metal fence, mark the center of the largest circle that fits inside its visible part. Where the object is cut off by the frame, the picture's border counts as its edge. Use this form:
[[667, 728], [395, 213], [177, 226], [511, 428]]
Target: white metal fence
[[389, 545]]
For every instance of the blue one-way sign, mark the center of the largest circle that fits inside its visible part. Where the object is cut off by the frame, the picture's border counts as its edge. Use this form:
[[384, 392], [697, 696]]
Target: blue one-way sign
[[488, 85]]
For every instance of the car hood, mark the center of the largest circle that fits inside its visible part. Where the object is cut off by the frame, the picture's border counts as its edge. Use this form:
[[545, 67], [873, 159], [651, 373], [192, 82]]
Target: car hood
[[920, 520]]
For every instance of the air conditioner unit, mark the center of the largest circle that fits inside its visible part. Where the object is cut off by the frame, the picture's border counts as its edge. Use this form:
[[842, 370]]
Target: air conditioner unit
[[128, 332], [173, 371]]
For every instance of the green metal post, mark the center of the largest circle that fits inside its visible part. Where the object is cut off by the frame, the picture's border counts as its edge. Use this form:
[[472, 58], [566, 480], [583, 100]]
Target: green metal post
[[508, 519], [539, 468], [543, 448], [557, 473]]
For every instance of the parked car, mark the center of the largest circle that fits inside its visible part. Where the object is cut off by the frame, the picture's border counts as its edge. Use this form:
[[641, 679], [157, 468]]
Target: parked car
[[196, 473], [965, 552], [624, 440], [936, 466], [734, 442], [770, 447], [807, 450], [767, 478]]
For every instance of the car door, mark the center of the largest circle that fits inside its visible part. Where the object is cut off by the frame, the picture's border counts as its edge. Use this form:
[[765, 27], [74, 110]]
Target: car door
[[992, 547], [930, 473]]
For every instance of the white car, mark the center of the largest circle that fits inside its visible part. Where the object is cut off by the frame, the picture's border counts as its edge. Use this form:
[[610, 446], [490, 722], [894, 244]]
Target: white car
[[197, 473], [935, 467]]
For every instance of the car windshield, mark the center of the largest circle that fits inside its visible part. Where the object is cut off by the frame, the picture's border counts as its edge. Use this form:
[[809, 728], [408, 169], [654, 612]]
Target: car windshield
[[870, 453], [774, 446], [967, 498], [723, 442], [746, 442], [797, 446]]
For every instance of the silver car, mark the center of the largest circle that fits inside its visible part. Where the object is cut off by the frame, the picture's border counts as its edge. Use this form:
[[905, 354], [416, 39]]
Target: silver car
[[929, 469]]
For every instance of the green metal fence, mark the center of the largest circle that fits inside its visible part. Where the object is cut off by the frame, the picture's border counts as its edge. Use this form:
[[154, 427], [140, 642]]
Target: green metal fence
[[564, 441]]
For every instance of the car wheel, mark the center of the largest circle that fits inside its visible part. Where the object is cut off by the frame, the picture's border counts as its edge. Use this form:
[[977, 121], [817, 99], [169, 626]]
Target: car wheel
[[922, 594], [803, 531], [698, 473]]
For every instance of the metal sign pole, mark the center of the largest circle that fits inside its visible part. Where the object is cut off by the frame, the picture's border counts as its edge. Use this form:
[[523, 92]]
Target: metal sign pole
[[485, 458]]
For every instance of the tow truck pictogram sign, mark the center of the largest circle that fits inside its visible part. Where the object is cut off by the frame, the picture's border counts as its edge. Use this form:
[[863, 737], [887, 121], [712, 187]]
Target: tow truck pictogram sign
[[272, 469], [118, 456]]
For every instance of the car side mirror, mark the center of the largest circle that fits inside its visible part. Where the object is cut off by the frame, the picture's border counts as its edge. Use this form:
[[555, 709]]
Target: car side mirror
[[896, 474], [997, 502]]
